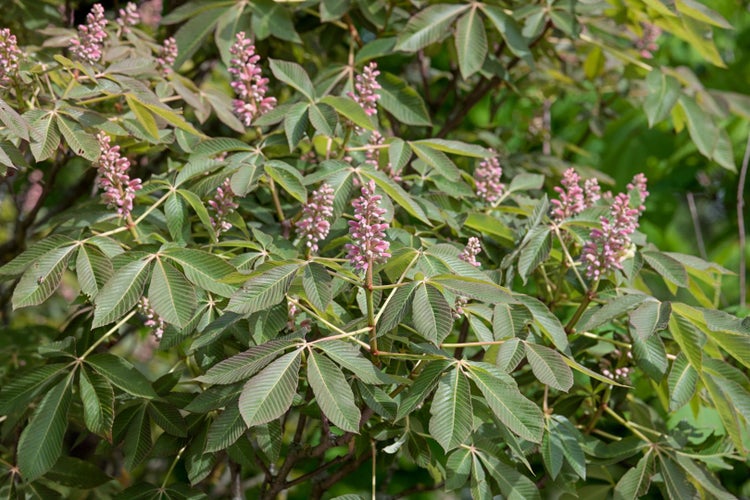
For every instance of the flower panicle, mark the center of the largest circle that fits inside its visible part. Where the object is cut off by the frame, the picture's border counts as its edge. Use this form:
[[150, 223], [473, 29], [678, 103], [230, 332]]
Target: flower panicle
[[167, 56], [487, 180], [153, 320], [10, 55], [119, 188], [222, 205], [248, 82], [471, 250], [89, 43], [314, 225], [367, 230], [129, 16], [366, 88]]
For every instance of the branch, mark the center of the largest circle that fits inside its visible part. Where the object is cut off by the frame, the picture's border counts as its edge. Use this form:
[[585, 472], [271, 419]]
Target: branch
[[741, 224]]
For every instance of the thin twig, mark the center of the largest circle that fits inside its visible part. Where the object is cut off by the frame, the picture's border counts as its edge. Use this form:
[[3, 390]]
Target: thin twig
[[741, 223], [697, 226]]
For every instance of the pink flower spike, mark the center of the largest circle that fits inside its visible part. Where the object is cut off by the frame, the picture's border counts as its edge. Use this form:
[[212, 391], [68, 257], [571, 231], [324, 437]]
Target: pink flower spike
[[128, 16], [9, 57], [167, 56], [487, 180], [119, 188], [638, 186], [367, 230], [248, 82], [592, 192], [89, 43], [470, 252], [222, 205], [366, 89], [314, 224], [572, 201]]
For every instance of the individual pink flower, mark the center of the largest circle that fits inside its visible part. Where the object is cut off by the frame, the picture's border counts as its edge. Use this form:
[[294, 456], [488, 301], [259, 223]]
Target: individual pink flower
[[248, 82], [119, 188], [129, 16], [487, 180], [153, 320], [609, 246], [167, 56], [366, 89], [572, 200], [367, 230], [315, 224], [89, 43], [9, 57], [470, 252], [222, 205]]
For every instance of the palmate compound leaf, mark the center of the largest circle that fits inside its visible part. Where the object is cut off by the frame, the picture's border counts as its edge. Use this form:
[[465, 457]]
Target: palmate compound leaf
[[519, 414], [264, 289], [431, 314], [41, 441], [451, 410], [332, 392], [269, 394]]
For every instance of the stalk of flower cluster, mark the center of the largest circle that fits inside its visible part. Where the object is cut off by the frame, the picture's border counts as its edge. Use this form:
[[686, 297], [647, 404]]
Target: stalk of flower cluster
[[128, 16], [119, 188], [167, 56], [222, 205], [153, 320], [369, 246], [314, 224], [487, 180], [248, 82], [9, 57], [366, 88], [89, 43]]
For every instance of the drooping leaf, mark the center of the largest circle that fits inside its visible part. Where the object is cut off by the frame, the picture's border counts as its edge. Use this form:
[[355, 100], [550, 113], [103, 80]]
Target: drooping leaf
[[471, 42], [513, 484], [93, 269], [510, 31], [225, 429], [332, 393], [203, 269], [122, 374], [549, 367], [171, 294], [663, 92], [77, 473], [137, 443], [168, 417], [535, 251]]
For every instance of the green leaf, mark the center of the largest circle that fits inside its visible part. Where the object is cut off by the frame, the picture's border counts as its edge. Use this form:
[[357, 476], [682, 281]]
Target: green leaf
[[700, 12], [549, 367], [451, 410], [663, 92], [428, 26], [509, 320], [317, 284], [689, 338], [677, 483], [192, 34], [203, 269], [711, 141], [730, 418], [273, 18], [350, 357], [510, 31], [168, 417], [225, 429], [651, 356], [293, 75], [137, 441], [332, 392], [646, 319], [670, 269], [471, 43], [121, 292], [269, 394], [17, 266], [296, 121], [15, 122], [682, 382], [613, 309], [636, 481], [396, 193], [458, 468], [520, 415], [77, 473], [490, 226], [437, 160], [473, 288], [350, 110], [47, 137], [18, 393], [535, 251], [144, 116], [93, 268], [171, 295], [98, 399], [513, 484], [42, 278], [170, 116], [452, 147], [122, 374], [242, 366], [402, 101], [264, 289], [41, 442], [421, 388], [547, 322], [431, 313], [287, 177], [323, 118]]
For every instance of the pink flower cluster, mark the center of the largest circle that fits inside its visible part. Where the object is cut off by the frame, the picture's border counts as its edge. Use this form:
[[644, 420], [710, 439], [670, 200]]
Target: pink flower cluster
[[470, 252], [9, 56], [646, 44], [609, 246], [153, 320], [573, 199], [119, 188], [129, 16], [248, 84], [89, 43], [167, 56], [487, 180], [222, 205], [372, 155], [366, 87], [314, 224], [367, 230]]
